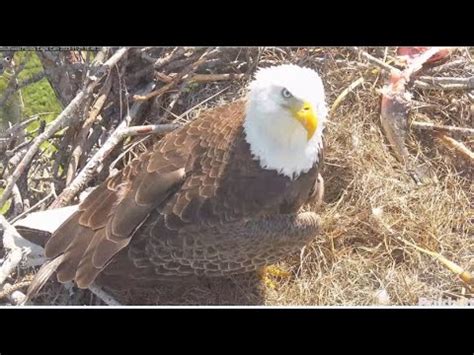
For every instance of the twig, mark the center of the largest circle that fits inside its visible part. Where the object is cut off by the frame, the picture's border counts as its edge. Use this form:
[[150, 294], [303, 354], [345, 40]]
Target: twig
[[35, 206], [143, 130], [148, 129], [112, 61], [464, 275], [104, 296], [381, 64], [179, 118], [201, 78], [422, 85], [194, 78], [17, 201], [447, 80], [128, 148], [188, 70], [100, 57], [60, 157], [158, 92], [453, 267], [177, 52], [175, 99], [97, 132], [442, 128], [82, 137], [460, 148], [72, 137], [20, 125], [10, 153], [13, 161], [164, 77], [181, 63], [449, 65], [449, 83], [470, 95], [344, 93], [65, 118]]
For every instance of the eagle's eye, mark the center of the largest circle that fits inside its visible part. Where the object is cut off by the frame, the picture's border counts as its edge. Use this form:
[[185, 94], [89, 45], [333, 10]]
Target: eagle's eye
[[286, 94]]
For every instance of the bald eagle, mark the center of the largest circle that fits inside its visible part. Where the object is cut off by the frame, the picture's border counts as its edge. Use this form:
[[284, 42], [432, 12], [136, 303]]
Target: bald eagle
[[218, 196]]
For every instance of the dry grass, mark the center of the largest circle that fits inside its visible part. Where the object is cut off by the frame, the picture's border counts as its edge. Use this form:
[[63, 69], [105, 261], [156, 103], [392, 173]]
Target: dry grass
[[355, 258]]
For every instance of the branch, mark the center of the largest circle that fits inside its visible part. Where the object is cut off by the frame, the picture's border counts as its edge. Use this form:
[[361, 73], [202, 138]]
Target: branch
[[177, 52], [104, 296], [201, 78], [463, 274], [11, 153], [12, 161], [36, 205], [377, 62], [149, 129], [174, 100], [460, 148], [13, 129], [448, 83], [343, 94], [17, 201], [449, 65], [113, 60], [442, 128], [188, 70], [82, 137]]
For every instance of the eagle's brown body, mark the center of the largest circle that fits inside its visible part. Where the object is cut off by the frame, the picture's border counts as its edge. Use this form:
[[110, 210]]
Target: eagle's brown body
[[195, 204]]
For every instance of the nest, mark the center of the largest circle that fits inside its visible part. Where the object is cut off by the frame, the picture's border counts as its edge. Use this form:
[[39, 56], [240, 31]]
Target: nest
[[379, 223]]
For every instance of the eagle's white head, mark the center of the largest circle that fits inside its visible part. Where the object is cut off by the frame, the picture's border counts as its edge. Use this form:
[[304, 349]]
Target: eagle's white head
[[285, 117]]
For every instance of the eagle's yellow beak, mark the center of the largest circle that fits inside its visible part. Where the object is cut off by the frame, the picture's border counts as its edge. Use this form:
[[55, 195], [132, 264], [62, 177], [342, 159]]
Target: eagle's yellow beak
[[306, 116]]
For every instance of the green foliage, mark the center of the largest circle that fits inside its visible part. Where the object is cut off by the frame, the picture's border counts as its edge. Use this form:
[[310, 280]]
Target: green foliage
[[38, 98], [6, 206]]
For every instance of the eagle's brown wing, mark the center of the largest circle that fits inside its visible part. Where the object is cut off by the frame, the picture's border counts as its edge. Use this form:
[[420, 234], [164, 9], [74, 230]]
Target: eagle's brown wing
[[109, 216]]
